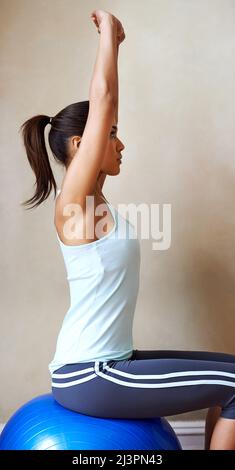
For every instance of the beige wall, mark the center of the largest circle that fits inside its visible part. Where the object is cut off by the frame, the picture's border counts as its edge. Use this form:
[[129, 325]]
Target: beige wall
[[176, 119]]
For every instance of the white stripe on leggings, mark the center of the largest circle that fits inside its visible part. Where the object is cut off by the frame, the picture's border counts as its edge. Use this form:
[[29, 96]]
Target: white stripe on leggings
[[72, 374], [169, 375], [75, 382], [157, 376], [144, 376]]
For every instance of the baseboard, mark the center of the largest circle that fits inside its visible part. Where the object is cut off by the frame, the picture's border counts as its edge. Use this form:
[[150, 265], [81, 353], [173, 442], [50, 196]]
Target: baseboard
[[190, 433]]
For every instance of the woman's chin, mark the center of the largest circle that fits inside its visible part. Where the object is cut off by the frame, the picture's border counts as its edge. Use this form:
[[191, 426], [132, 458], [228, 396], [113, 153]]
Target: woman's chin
[[115, 171]]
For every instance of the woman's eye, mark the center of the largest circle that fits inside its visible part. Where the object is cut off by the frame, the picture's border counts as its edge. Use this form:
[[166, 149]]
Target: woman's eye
[[113, 135]]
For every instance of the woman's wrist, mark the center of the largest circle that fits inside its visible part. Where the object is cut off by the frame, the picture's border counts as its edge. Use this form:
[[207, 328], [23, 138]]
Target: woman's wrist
[[108, 20]]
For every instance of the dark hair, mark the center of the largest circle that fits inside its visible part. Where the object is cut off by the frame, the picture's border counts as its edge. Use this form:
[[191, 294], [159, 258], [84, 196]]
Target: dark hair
[[69, 121]]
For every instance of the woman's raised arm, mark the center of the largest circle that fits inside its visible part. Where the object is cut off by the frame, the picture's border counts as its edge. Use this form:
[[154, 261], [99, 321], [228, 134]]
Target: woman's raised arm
[[83, 171]]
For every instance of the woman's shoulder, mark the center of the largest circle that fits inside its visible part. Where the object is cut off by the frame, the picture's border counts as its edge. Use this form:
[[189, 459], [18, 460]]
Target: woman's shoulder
[[85, 222]]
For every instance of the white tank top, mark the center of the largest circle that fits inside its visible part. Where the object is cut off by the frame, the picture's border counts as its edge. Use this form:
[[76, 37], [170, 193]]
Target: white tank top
[[103, 277]]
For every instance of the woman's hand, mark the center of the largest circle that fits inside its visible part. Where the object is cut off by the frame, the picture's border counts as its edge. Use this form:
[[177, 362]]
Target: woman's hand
[[98, 15]]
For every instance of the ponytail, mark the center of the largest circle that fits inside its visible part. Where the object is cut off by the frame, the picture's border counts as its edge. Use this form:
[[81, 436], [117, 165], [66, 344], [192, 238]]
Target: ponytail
[[34, 142], [68, 122]]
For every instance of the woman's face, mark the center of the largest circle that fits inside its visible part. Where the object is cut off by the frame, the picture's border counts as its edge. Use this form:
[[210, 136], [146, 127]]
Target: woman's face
[[111, 162]]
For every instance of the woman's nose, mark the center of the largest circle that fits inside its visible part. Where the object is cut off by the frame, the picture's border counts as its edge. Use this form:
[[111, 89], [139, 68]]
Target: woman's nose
[[120, 145]]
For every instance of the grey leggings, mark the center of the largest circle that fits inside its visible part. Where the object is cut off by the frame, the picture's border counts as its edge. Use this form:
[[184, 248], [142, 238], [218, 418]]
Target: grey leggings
[[148, 384]]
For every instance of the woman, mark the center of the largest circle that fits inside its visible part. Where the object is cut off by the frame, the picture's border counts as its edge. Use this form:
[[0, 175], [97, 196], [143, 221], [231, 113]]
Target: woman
[[95, 370]]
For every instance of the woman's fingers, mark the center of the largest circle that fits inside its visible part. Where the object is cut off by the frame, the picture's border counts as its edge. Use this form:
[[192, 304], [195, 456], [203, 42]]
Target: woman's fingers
[[121, 37], [97, 15], [96, 23]]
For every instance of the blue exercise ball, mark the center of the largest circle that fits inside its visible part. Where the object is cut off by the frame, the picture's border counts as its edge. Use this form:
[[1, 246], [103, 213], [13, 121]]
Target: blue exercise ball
[[43, 424]]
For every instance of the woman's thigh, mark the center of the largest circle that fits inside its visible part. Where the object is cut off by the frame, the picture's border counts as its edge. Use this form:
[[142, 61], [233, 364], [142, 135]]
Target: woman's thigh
[[148, 387]]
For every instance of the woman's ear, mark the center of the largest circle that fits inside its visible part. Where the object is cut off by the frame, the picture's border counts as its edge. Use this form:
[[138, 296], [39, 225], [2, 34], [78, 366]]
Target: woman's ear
[[76, 141]]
